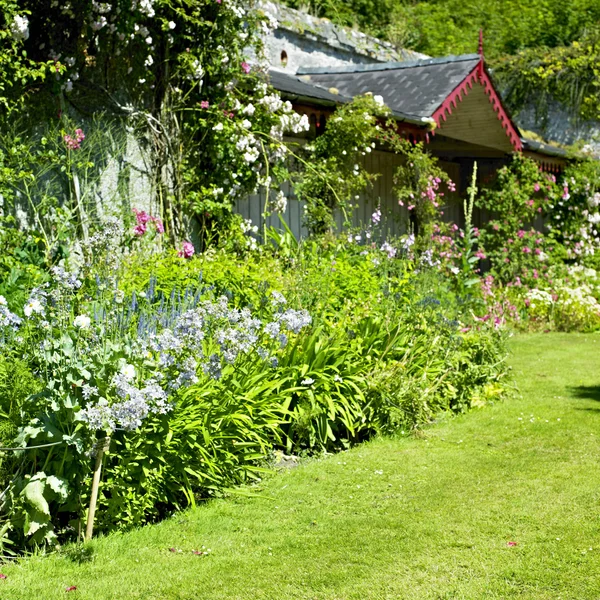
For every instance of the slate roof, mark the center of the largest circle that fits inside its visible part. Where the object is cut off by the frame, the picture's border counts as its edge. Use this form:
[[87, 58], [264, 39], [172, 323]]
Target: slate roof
[[336, 36], [414, 89], [294, 88]]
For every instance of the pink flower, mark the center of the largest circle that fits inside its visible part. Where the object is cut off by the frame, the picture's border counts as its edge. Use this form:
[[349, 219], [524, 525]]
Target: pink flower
[[520, 233], [74, 142], [536, 187], [479, 254], [530, 202], [245, 67], [2, 576], [71, 588], [511, 544], [204, 104], [141, 216], [160, 228], [507, 260], [510, 241], [527, 302], [140, 229], [526, 249], [495, 227], [187, 250], [538, 251], [476, 232], [410, 207], [566, 194]]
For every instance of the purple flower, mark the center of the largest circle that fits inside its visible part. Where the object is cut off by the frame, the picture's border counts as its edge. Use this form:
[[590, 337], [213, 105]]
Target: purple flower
[[139, 229]]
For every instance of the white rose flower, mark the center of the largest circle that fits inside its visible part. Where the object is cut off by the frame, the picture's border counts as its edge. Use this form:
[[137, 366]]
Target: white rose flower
[[2, 301], [218, 127], [249, 110], [19, 28], [82, 322], [378, 100]]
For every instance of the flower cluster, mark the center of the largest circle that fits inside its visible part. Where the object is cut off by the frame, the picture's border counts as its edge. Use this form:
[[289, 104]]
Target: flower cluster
[[171, 347], [74, 142], [19, 28], [7, 318], [187, 250], [143, 219]]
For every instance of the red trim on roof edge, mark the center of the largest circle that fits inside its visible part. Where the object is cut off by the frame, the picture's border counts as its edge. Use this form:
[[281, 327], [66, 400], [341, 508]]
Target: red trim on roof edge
[[480, 75]]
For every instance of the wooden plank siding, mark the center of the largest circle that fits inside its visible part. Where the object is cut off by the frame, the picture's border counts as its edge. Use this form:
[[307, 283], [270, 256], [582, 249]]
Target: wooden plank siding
[[474, 120]]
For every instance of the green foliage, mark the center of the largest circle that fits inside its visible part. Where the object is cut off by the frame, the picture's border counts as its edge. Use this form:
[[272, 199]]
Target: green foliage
[[442, 27], [332, 173], [517, 200], [216, 438], [417, 184], [567, 74], [384, 351]]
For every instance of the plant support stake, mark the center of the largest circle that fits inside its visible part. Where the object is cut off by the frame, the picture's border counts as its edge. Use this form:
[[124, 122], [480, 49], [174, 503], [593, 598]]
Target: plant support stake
[[101, 447]]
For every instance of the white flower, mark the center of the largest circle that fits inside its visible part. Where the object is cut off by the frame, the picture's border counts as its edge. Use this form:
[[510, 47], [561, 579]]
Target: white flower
[[128, 371], [33, 306], [308, 381], [82, 322], [172, 25], [2, 301], [378, 100], [218, 127], [246, 124], [19, 28], [249, 110]]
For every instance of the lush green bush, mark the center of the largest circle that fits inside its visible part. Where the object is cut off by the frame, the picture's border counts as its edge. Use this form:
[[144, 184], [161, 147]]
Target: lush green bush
[[196, 394]]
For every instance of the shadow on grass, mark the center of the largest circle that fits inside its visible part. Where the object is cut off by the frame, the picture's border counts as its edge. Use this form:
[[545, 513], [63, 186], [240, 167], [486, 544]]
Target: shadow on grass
[[585, 392]]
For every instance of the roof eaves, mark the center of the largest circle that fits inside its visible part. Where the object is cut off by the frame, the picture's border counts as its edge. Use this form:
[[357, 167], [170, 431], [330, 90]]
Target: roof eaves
[[545, 149]]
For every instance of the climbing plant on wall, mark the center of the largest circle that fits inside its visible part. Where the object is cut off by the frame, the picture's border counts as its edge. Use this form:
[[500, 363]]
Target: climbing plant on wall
[[187, 78]]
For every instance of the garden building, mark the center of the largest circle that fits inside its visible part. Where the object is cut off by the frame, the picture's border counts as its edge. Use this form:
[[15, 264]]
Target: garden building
[[449, 103]]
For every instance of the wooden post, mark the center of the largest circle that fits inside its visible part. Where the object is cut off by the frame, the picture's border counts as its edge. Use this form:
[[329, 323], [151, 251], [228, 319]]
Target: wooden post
[[101, 447]]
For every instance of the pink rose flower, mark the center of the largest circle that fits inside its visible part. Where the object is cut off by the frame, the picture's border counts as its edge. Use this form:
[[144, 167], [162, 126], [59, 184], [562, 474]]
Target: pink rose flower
[[187, 250]]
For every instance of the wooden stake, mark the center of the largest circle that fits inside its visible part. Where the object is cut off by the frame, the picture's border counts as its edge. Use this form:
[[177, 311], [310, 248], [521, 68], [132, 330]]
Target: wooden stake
[[102, 447]]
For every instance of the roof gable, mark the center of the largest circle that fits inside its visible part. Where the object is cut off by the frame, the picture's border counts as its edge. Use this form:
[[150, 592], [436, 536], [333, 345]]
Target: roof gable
[[431, 89]]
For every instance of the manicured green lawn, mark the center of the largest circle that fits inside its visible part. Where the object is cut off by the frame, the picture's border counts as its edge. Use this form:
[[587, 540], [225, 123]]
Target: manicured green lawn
[[422, 518]]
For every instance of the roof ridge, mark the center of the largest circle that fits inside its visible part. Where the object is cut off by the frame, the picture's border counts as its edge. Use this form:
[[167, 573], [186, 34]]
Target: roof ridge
[[338, 36], [388, 66]]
